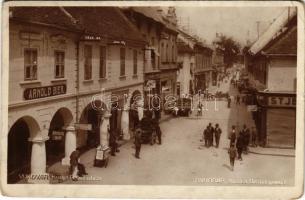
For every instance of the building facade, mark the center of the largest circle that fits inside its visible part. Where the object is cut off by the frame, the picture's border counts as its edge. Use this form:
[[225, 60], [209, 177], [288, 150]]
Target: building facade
[[203, 67], [272, 71], [159, 31], [186, 62], [59, 65]]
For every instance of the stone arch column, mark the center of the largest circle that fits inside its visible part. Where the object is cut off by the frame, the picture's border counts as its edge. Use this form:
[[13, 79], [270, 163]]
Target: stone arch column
[[38, 158], [104, 124], [70, 144], [125, 122]]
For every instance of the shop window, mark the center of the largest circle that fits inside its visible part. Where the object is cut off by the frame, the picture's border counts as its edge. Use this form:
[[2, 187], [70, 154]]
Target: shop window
[[30, 64], [153, 59], [59, 64], [135, 62], [88, 62], [122, 61], [102, 62]]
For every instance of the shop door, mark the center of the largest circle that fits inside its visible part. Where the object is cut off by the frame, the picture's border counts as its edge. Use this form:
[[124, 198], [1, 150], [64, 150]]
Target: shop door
[[281, 128]]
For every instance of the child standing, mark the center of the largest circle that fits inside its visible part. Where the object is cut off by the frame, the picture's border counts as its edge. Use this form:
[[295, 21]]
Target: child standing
[[232, 154]]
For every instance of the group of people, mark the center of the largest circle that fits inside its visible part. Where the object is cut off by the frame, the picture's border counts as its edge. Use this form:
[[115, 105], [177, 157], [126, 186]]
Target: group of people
[[237, 99], [210, 133], [240, 143]]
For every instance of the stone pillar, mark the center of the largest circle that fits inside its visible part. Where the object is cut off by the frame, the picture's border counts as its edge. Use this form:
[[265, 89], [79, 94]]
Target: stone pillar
[[38, 160], [125, 123], [104, 135], [70, 144], [140, 106]]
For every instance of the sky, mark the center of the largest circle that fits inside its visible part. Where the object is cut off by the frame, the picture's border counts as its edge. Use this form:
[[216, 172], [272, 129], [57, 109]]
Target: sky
[[238, 23]]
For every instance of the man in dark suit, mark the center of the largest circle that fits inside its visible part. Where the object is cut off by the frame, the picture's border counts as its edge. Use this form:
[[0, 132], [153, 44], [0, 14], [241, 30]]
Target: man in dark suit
[[210, 134], [217, 133], [240, 145], [138, 142]]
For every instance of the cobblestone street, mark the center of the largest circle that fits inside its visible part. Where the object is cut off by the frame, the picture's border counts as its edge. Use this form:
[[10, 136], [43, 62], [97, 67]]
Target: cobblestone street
[[183, 160]]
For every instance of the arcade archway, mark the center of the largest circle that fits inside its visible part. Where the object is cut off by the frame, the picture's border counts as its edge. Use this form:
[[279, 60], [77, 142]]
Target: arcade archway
[[20, 148], [55, 146], [89, 135]]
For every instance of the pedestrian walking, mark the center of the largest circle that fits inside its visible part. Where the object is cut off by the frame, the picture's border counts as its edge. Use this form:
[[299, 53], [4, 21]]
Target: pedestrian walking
[[199, 111], [158, 130], [229, 101], [238, 100], [217, 133], [253, 136], [240, 145], [232, 154], [246, 137], [210, 135], [138, 142], [112, 142], [232, 136], [206, 136]]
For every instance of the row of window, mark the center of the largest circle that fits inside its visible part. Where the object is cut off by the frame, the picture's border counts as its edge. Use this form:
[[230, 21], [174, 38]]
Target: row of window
[[165, 54], [31, 55]]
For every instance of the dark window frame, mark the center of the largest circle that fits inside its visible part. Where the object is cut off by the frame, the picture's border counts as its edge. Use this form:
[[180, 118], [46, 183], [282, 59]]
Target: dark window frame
[[103, 68], [122, 61], [87, 62], [33, 67], [59, 63]]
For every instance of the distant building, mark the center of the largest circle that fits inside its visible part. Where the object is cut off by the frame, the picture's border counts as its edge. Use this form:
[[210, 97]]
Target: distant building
[[203, 67], [160, 33], [271, 63], [186, 63], [217, 63]]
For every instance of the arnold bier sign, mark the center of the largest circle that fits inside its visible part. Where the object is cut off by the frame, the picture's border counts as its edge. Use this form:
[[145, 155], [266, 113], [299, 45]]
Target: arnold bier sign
[[42, 92]]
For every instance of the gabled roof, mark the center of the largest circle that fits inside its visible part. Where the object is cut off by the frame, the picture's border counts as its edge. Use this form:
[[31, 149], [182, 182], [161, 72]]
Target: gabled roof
[[105, 21], [149, 12], [285, 45], [272, 31], [154, 14], [52, 16]]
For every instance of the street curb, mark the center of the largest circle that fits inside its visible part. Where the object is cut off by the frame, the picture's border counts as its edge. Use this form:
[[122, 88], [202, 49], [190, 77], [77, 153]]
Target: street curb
[[271, 154]]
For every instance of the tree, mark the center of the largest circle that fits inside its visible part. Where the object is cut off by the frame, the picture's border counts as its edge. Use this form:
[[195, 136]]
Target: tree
[[229, 47]]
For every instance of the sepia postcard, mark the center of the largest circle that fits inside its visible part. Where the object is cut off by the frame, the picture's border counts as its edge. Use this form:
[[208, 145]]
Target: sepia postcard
[[152, 99]]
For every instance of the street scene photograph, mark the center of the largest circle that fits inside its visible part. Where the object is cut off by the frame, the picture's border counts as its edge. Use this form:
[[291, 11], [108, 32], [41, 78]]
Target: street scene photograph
[[152, 95]]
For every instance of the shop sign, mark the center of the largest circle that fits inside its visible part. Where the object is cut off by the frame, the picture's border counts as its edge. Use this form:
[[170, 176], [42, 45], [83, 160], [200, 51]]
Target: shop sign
[[277, 100], [86, 127], [102, 153], [58, 135], [42, 92], [282, 101]]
